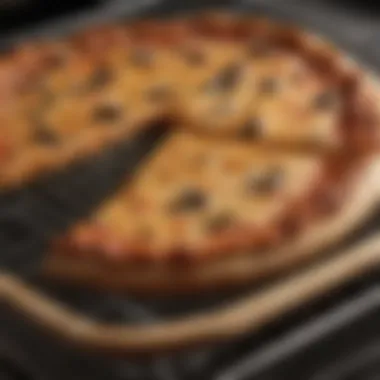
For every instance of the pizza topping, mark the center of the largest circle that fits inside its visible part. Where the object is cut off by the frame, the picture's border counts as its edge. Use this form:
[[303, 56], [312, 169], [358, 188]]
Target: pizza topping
[[325, 101], [107, 113], [219, 222], [252, 129], [100, 78], [188, 200], [45, 136], [265, 183], [268, 86], [225, 80]]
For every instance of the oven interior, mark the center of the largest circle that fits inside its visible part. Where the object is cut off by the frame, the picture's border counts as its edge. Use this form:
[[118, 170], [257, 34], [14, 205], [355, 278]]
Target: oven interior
[[334, 338]]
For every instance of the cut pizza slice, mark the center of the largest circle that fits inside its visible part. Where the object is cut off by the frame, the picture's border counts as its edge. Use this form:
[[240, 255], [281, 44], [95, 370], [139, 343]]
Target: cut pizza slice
[[266, 98], [203, 213], [203, 197]]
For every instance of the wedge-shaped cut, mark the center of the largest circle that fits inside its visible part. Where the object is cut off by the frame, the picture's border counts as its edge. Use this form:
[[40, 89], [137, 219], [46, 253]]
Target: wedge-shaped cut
[[200, 197]]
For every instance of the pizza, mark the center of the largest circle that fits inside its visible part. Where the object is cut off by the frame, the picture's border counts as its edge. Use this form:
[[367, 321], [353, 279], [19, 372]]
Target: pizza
[[271, 132]]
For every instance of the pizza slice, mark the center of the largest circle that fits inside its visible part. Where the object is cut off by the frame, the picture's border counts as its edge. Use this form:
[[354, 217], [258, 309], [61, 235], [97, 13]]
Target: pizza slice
[[201, 212], [199, 197]]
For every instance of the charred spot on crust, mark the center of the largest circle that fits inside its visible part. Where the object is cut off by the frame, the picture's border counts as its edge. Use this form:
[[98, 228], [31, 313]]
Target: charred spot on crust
[[252, 129], [188, 200], [265, 183], [107, 113]]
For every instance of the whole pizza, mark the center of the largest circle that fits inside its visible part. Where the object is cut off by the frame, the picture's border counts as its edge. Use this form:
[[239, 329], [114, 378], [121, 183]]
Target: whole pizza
[[271, 151]]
